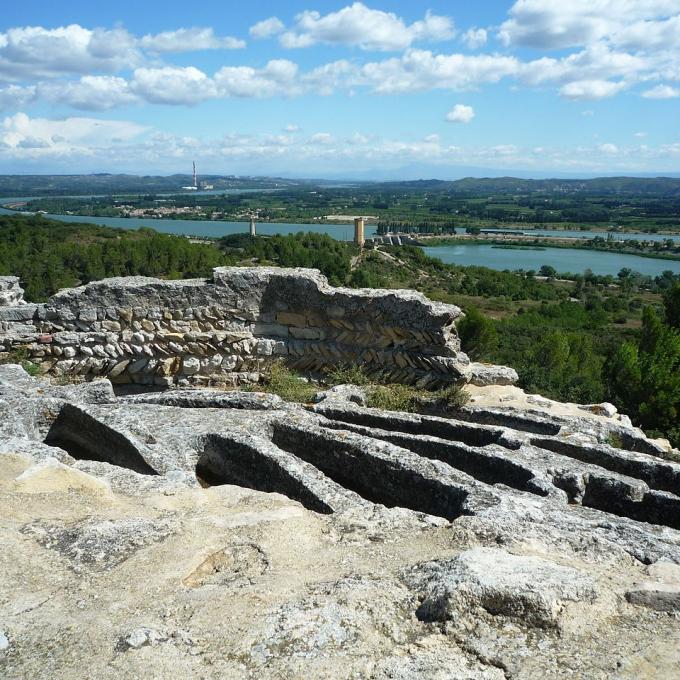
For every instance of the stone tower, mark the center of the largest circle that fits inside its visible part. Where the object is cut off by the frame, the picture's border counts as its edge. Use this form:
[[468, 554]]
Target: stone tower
[[359, 237], [252, 226]]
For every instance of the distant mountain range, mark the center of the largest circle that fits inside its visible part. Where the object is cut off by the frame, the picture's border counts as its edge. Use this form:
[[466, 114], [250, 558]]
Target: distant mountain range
[[102, 183], [665, 186]]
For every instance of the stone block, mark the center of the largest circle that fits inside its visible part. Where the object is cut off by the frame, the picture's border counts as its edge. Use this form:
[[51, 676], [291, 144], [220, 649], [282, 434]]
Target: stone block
[[191, 365], [112, 326], [291, 319], [275, 329], [307, 333]]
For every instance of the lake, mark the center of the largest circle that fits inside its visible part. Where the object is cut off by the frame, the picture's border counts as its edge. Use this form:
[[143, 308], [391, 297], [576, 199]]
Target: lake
[[566, 233], [563, 259]]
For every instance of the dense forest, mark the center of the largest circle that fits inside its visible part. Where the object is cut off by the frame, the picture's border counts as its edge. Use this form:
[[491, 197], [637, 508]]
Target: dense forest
[[48, 255], [586, 340]]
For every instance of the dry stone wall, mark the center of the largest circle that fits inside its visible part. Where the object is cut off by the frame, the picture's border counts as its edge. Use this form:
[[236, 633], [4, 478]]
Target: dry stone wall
[[231, 328]]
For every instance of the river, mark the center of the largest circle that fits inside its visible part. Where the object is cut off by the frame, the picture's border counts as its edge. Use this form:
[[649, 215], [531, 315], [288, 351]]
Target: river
[[209, 228], [563, 259]]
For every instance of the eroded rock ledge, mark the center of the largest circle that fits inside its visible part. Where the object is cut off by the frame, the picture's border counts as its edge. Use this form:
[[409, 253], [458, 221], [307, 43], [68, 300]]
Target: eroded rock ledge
[[205, 534], [229, 329]]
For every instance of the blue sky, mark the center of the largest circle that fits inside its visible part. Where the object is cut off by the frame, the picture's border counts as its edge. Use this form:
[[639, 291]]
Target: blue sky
[[382, 89]]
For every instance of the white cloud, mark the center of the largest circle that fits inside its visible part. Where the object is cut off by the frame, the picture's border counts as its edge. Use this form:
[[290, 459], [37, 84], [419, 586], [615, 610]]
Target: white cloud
[[358, 138], [662, 92], [173, 85], [597, 62], [555, 25], [90, 93], [58, 145], [322, 138], [418, 70], [43, 136], [267, 28], [278, 77], [34, 52], [474, 38], [609, 148], [369, 29], [649, 34], [640, 134], [591, 89], [291, 127], [460, 113], [15, 97], [329, 77], [189, 40]]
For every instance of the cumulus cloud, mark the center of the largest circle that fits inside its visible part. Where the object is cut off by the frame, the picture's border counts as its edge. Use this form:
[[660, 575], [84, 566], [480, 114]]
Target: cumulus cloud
[[369, 29], [474, 38], [460, 113], [90, 93], [418, 70], [621, 45], [278, 77], [173, 85], [597, 62], [15, 97], [189, 40], [556, 25], [662, 92], [267, 28], [34, 51], [590, 89]]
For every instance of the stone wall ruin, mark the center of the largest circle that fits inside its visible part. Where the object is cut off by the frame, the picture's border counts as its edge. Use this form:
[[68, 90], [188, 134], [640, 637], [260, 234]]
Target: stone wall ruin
[[229, 329]]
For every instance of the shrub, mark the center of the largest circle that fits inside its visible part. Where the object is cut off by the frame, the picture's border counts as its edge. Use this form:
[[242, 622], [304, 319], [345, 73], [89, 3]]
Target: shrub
[[287, 384]]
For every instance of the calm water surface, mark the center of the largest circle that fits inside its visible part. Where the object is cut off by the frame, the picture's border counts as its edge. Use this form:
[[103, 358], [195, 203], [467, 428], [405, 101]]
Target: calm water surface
[[212, 228], [563, 259]]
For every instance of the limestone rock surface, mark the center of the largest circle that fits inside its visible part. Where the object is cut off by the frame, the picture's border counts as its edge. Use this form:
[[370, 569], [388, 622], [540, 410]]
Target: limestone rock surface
[[211, 534]]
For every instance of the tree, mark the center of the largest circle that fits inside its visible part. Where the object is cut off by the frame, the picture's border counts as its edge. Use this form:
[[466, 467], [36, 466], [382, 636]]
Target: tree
[[478, 334], [548, 271], [671, 303], [644, 377]]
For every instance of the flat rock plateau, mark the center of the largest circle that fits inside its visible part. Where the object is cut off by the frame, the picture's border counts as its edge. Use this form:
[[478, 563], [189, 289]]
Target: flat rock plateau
[[203, 533]]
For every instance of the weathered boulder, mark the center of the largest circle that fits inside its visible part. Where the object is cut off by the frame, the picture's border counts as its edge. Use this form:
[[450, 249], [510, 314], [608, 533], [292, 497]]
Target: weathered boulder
[[530, 589]]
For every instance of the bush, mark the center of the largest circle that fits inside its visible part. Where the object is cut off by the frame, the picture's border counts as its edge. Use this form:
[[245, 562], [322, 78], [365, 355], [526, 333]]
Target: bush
[[287, 384], [347, 374], [405, 398]]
